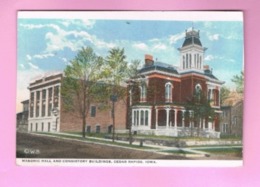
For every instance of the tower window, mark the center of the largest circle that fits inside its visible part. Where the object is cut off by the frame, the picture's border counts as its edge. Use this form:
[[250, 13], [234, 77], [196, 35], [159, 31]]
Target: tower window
[[187, 58], [200, 62], [183, 62], [190, 61], [195, 61]]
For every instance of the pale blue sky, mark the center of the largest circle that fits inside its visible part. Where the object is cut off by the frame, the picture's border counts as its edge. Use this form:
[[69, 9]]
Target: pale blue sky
[[46, 45]]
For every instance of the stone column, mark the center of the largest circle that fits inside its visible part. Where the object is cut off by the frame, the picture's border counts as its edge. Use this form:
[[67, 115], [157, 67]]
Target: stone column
[[219, 90], [40, 104], [215, 97], [156, 118], [34, 104], [167, 117], [139, 118], [190, 117], [53, 88], [175, 117], [54, 118], [183, 118], [46, 102], [149, 118]]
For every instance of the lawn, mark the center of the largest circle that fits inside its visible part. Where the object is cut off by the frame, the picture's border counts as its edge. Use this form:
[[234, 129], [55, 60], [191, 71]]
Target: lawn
[[143, 136], [222, 150], [91, 139]]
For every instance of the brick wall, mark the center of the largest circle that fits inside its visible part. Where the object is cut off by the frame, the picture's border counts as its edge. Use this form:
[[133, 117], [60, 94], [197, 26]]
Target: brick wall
[[72, 121], [188, 86]]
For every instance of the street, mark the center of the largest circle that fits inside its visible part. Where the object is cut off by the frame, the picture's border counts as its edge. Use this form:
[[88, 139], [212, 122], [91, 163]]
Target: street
[[40, 146]]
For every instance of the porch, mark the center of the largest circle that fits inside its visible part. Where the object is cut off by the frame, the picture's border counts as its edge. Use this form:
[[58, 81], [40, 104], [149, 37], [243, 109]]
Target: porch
[[178, 132]]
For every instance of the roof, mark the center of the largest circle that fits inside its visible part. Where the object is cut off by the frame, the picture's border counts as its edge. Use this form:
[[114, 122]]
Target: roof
[[159, 66], [25, 101], [46, 75], [233, 99], [191, 38], [208, 73], [172, 69]]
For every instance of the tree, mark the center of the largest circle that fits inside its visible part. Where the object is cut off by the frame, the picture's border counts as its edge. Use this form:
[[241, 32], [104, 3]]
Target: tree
[[115, 71], [79, 87], [132, 74], [239, 81], [224, 94], [133, 68], [201, 110]]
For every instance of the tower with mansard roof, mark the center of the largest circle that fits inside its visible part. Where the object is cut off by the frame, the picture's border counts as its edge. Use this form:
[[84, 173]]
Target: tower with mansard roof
[[192, 52]]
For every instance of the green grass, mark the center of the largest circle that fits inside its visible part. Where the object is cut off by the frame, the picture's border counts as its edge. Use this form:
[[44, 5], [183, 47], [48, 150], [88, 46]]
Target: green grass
[[89, 139], [230, 137], [179, 151], [223, 150], [140, 136], [209, 146], [167, 138]]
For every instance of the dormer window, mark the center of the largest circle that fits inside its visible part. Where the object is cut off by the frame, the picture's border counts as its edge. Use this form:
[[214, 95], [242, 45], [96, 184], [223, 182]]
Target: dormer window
[[168, 92]]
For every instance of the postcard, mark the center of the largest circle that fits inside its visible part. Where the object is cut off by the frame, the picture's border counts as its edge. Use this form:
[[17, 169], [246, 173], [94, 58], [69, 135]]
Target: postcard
[[130, 88]]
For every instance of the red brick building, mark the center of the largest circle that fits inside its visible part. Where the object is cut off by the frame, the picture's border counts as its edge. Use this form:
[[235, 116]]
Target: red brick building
[[158, 103], [47, 113]]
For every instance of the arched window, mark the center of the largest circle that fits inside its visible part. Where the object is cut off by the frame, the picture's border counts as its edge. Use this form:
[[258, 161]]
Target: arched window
[[183, 62], [209, 94], [198, 91], [190, 61], [200, 62], [198, 88], [195, 61], [187, 58], [168, 92], [143, 93]]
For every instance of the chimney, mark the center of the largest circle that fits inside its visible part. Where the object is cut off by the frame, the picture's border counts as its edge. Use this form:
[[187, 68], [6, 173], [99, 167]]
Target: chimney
[[206, 67], [148, 60]]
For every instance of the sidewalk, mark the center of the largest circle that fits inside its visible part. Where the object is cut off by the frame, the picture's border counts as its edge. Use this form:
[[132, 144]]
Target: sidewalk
[[154, 148]]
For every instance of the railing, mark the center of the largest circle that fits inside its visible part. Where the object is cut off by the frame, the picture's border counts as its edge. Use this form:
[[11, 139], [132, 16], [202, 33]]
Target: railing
[[177, 131]]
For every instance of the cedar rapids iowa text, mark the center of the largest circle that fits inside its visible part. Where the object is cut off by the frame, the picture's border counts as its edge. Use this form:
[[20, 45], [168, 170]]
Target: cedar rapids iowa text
[[88, 161]]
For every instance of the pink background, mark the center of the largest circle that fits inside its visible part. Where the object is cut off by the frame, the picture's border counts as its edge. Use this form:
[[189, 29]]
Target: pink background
[[12, 175]]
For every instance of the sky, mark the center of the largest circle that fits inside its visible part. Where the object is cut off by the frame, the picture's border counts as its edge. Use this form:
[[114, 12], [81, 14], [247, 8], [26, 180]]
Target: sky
[[48, 43]]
